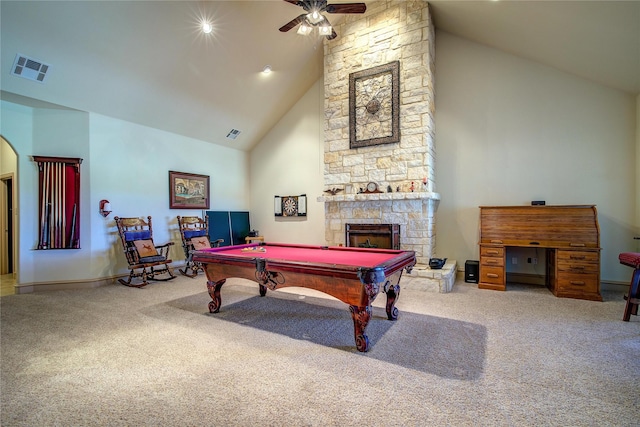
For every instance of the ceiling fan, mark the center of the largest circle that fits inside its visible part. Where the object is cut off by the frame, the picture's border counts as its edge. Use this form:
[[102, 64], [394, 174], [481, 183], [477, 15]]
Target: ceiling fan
[[314, 16]]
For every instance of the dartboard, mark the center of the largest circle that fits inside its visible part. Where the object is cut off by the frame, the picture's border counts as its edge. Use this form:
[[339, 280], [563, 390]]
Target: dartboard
[[289, 206]]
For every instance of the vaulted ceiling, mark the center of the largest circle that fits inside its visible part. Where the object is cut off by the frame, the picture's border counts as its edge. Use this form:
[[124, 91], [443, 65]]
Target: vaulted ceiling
[[147, 61]]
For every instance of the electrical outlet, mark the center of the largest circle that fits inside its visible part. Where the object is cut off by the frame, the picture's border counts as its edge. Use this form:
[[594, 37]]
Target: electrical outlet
[[514, 260], [534, 260]]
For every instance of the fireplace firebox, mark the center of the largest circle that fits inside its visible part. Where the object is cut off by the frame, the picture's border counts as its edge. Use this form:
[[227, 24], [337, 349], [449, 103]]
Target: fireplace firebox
[[382, 236]]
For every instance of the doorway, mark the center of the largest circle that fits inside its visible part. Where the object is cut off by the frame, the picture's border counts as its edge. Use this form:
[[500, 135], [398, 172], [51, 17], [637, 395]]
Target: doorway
[[8, 218], [6, 224]]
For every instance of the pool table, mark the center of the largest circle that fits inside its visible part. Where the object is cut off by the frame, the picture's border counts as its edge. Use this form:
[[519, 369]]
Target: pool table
[[352, 275]]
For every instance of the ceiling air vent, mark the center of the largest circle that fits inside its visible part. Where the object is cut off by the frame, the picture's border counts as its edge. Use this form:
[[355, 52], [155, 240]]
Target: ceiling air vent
[[30, 68], [233, 134]]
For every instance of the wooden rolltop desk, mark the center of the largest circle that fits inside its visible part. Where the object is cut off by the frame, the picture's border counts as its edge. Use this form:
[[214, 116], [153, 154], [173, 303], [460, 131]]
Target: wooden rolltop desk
[[570, 236]]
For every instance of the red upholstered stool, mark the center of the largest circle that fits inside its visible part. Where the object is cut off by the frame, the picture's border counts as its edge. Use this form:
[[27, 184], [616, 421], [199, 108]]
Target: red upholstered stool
[[632, 259]]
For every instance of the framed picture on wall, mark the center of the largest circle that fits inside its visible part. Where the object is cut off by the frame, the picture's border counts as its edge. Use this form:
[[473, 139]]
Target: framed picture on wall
[[188, 191], [374, 106]]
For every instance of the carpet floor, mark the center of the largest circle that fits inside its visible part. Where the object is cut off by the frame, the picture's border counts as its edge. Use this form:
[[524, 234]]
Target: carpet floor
[[118, 356]]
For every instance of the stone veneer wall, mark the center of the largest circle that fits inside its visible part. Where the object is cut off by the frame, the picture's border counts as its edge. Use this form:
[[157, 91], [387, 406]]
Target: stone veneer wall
[[389, 31]]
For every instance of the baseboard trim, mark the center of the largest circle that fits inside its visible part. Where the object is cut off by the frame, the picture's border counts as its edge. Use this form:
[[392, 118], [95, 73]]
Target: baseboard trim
[[27, 288], [613, 283]]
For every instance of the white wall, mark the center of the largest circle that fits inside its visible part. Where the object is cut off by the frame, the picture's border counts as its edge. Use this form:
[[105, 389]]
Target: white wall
[[130, 167], [289, 161], [16, 126], [509, 131], [123, 162]]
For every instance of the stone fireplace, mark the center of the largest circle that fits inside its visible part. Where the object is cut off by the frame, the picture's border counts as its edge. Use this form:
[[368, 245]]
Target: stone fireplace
[[389, 31], [413, 212]]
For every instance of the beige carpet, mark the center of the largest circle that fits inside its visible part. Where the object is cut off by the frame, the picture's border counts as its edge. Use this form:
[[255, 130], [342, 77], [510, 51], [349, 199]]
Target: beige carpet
[[117, 356]]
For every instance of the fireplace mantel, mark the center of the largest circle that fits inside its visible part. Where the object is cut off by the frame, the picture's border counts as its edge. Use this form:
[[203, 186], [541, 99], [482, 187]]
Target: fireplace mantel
[[372, 197]]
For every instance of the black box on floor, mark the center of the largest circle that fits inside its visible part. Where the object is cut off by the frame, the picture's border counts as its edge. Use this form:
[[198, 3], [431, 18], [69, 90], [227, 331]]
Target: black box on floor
[[471, 271]]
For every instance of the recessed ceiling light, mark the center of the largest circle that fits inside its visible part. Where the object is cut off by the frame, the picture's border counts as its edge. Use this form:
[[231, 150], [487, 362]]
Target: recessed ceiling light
[[207, 27], [266, 69]]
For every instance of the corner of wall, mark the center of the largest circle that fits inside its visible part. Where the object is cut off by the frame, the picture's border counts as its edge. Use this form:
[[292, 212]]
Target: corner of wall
[[637, 164]]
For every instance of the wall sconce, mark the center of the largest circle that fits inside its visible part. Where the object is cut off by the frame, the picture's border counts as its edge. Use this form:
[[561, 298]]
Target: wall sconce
[[105, 208]]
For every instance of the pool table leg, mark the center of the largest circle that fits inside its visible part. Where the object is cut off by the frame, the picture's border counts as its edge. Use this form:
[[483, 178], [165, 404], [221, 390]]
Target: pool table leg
[[214, 293], [361, 317], [393, 292]]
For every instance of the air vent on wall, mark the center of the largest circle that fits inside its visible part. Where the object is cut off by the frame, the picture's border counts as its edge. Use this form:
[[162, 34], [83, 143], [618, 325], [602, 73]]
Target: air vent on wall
[[30, 68], [233, 134]]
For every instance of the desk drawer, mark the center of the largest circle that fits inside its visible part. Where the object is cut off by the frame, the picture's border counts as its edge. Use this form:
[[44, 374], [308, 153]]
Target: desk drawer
[[577, 267], [493, 275], [587, 283], [579, 256], [489, 251], [499, 262]]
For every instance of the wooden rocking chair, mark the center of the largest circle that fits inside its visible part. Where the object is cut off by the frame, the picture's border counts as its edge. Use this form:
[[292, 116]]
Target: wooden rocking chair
[[146, 260], [195, 236]]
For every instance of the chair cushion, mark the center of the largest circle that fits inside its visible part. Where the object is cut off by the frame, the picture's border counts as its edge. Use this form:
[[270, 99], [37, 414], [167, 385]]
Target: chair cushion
[[137, 235], [632, 259], [145, 248], [200, 243], [189, 234], [150, 259]]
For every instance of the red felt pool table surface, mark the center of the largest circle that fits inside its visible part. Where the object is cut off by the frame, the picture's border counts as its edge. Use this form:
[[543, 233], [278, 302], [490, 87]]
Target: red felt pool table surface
[[309, 254]]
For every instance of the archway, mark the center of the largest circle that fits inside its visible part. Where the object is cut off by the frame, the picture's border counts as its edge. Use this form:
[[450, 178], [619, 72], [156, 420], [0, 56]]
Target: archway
[[8, 217]]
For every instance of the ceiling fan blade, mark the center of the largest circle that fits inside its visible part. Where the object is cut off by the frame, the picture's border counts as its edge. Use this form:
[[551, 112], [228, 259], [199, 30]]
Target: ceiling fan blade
[[346, 8], [295, 21], [333, 35], [294, 2]]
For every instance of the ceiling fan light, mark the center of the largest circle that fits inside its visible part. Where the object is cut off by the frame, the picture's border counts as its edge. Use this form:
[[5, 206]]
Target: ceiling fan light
[[304, 29], [314, 17], [324, 30]]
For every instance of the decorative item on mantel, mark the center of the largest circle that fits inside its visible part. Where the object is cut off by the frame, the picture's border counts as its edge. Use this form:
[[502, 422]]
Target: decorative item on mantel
[[333, 191], [372, 187]]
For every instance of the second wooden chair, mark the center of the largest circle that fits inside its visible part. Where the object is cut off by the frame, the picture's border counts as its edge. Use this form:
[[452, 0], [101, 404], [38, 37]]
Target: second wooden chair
[[194, 232]]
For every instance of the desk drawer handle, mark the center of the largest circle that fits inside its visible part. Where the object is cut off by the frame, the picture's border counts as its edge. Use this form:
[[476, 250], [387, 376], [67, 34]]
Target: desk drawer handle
[[577, 245], [492, 275], [496, 241], [577, 283], [577, 267], [491, 261], [493, 252], [577, 257]]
